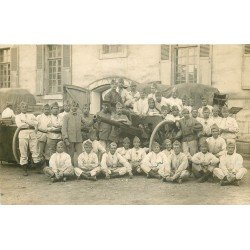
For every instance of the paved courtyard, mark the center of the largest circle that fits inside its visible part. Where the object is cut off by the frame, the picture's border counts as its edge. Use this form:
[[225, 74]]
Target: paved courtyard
[[37, 189]]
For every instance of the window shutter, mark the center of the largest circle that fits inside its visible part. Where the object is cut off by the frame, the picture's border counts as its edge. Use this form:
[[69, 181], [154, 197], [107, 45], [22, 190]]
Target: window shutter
[[246, 67], [39, 69], [205, 64], [14, 67], [165, 52], [165, 68], [66, 69]]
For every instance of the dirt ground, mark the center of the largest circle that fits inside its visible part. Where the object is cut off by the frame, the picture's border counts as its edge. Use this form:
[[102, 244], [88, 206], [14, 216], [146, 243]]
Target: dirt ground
[[37, 189]]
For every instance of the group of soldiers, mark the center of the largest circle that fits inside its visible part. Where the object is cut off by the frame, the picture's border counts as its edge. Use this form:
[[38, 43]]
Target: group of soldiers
[[73, 144]]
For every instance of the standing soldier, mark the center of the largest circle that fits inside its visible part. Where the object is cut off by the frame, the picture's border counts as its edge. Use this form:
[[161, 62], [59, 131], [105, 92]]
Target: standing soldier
[[132, 96], [103, 128], [27, 137], [112, 96], [141, 106], [189, 127], [41, 128], [66, 109], [71, 131], [54, 129], [88, 124]]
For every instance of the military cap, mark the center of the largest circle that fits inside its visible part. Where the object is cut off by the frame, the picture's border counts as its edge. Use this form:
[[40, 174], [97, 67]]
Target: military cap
[[174, 107], [155, 144], [54, 104], [167, 141], [215, 127], [87, 143], [114, 144], [60, 143], [176, 143], [126, 139], [118, 105], [136, 139]]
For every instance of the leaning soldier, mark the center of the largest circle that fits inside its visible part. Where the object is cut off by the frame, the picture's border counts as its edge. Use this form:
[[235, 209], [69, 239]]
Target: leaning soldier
[[114, 165], [27, 138]]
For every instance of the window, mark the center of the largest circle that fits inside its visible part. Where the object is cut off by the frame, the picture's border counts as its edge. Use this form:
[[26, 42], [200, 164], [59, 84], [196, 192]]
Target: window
[[5, 68], [54, 69], [186, 64], [113, 51]]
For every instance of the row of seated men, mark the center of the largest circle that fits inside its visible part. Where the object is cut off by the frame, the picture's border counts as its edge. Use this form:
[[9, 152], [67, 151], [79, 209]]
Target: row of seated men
[[169, 163]]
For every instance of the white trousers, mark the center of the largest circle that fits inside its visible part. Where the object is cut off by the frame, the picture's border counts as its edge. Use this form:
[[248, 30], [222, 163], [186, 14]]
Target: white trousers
[[160, 170], [93, 172], [239, 174], [32, 144]]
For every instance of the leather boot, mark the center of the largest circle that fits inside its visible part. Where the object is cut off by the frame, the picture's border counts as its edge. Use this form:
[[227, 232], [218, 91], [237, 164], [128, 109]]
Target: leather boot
[[224, 182], [152, 174], [204, 178], [25, 168], [115, 175]]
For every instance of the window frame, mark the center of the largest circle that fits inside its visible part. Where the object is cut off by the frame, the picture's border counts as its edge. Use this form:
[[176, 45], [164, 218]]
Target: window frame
[[8, 63], [122, 54]]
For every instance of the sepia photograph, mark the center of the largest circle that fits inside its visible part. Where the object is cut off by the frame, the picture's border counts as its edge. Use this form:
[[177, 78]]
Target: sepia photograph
[[125, 124]]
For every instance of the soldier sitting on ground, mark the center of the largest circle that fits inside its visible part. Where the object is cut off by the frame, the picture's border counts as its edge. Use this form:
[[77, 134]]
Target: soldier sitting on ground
[[60, 167], [114, 165]]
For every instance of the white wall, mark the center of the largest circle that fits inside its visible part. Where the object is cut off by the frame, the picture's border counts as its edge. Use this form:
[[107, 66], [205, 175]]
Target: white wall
[[141, 64]]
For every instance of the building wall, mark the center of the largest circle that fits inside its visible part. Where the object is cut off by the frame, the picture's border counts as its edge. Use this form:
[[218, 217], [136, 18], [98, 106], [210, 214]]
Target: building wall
[[141, 64]]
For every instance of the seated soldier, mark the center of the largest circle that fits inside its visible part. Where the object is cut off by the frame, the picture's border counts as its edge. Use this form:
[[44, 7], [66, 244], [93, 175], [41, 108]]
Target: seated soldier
[[141, 106], [204, 104], [160, 100], [230, 170], [60, 166], [176, 170], [155, 162], [216, 144], [126, 146], [228, 125], [88, 167], [206, 122], [97, 147], [168, 148], [132, 96], [118, 117], [176, 113], [135, 156], [151, 108], [8, 111], [165, 111], [203, 163], [66, 109], [114, 165]]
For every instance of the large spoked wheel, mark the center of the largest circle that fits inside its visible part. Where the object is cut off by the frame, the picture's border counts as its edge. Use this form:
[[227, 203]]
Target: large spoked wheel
[[155, 131], [15, 146]]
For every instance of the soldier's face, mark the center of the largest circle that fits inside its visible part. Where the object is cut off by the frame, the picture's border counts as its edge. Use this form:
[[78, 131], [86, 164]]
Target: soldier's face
[[177, 149], [215, 133], [206, 113], [85, 110], [137, 144], [119, 110], [74, 109], [55, 110], [59, 148], [24, 108], [203, 149], [87, 148], [156, 149], [143, 95], [133, 88], [225, 113], [204, 102], [186, 114], [215, 112], [230, 149], [66, 107], [153, 89], [126, 145], [195, 113], [175, 112], [168, 146], [165, 112], [46, 110], [112, 149]]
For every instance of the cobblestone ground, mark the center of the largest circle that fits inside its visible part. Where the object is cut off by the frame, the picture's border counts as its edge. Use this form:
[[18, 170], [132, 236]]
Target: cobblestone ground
[[37, 189]]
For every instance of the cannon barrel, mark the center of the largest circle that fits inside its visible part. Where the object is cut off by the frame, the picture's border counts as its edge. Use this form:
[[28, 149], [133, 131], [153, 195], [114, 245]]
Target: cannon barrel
[[125, 128]]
